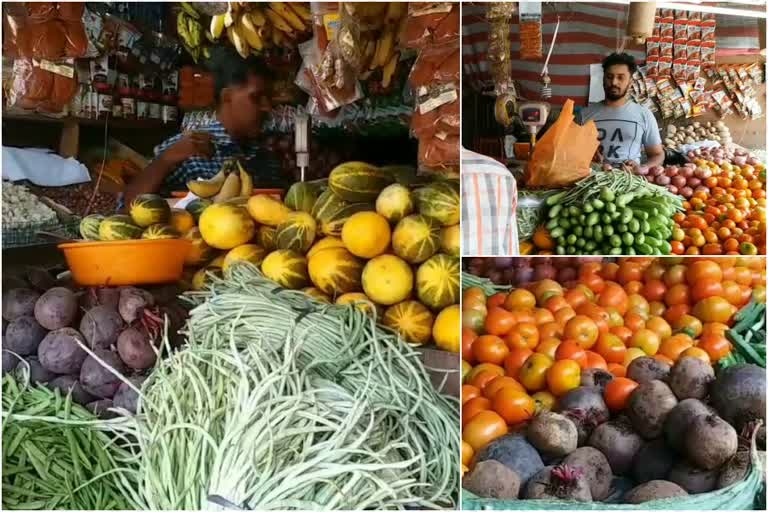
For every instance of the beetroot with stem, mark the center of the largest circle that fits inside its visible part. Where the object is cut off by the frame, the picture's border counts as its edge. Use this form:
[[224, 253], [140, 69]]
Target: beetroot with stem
[[561, 482], [596, 377], [133, 301], [135, 348], [596, 469], [586, 408], [102, 296]]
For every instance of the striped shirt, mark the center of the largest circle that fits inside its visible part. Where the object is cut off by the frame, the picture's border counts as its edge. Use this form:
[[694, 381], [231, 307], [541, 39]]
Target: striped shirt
[[488, 205]]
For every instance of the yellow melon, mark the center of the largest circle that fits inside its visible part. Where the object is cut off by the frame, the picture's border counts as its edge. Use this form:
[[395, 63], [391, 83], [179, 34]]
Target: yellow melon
[[411, 319], [251, 253], [286, 268], [267, 210], [394, 202], [416, 238], [317, 294], [437, 282], [200, 252], [387, 279], [335, 271], [181, 220], [225, 226], [366, 234], [361, 301], [447, 329], [325, 243], [450, 240]]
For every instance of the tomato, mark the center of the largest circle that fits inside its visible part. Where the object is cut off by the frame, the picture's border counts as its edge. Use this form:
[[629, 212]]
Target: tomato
[[628, 272], [473, 293], [468, 392], [673, 313], [611, 347], [617, 393], [555, 303], [633, 287], [474, 320], [634, 322], [617, 370], [698, 353], [714, 328], [465, 369], [632, 354], [716, 346], [615, 319], [513, 405], [646, 340], [703, 289], [524, 335], [660, 326], [742, 275], [688, 324], [747, 248], [550, 330], [515, 360], [758, 293], [533, 374], [475, 305], [592, 281], [468, 337], [674, 275], [569, 349], [563, 376], [583, 330], [493, 368], [520, 298], [542, 316], [490, 349], [496, 384], [623, 333], [545, 401], [575, 297], [473, 407], [714, 309], [654, 290], [613, 296], [499, 321], [675, 345], [484, 428], [482, 378], [677, 294], [562, 316], [654, 271], [595, 360], [548, 347], [703, 270], [496, 300], [656, 308], [731, 292], [466, 453]]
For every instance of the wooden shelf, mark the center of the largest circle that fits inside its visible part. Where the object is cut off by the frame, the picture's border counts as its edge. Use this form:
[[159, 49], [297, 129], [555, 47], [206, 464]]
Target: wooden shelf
[[118, 124]]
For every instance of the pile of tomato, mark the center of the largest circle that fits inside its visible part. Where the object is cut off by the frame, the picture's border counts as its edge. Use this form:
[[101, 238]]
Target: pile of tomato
[[726, 215], [523, 349]]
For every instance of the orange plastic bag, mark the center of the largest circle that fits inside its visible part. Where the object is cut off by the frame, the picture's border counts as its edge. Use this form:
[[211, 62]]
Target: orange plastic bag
[[563, 154]]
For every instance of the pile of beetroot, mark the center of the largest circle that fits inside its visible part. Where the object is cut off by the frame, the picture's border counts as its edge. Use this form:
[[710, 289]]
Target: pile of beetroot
[[47, 323], [684, 431]]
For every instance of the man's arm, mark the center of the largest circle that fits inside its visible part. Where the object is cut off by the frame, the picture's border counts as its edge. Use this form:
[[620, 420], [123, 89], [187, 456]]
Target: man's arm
[[655, 155]]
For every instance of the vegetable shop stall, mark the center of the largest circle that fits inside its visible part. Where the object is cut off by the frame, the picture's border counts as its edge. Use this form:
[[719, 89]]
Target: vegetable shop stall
[[311, 315], [701, 73]]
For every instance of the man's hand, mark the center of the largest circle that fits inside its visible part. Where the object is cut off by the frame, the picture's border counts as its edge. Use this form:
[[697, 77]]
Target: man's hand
[[189, 145], [631, 165]]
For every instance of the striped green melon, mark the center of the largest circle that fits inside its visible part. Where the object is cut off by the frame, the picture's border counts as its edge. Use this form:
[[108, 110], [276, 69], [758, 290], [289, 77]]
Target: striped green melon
[[148, 209], [333, 225], [89, 226], [301, 197], [358, 182], [411, 319], [450, 240], [394, 203], [327, 204], [402, 174], [296, 233], [335, 271], [439, 201], [197, 207], [416, 238], [160, 232], [265, 237], [118, 227], [437, 282], [286, 268]]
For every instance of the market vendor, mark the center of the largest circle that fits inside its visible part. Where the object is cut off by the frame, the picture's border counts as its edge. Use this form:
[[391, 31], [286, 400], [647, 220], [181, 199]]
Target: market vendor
[[624, 127], [241, 90]]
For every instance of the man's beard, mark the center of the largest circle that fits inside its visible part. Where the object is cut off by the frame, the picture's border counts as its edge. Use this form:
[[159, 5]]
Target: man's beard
[[614, 93]]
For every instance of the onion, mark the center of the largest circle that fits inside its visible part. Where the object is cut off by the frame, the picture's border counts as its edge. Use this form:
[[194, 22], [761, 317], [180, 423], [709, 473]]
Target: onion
[[524, 275], [694, 182], [739, 160], [703, 173], [663, 180], [657, 170], [718, 161], [502, 263], [686, 192], [544, 272], [678, 181], [607, 167], [692, 154], [671, 171], [701, 188], [752, 161], [643, 170], [686, 172], [672, 189]]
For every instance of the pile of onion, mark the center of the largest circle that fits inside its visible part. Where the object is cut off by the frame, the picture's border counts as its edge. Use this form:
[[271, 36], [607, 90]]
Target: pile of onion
[[684, 180]]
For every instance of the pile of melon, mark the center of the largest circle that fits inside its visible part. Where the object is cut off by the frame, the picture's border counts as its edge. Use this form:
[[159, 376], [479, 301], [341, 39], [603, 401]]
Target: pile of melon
[[362, 239]]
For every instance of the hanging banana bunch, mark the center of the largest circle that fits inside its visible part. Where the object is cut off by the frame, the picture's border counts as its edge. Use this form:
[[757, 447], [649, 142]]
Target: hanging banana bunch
[[190, 30], [384, 22]]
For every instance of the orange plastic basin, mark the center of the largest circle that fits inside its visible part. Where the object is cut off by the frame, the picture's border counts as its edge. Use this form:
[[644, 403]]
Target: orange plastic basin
[[129, 262]]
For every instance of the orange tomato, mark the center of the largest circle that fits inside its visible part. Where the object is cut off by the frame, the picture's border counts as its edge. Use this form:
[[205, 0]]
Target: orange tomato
[[688, 324], [524, 335], [595, 360], [660, 326], [629, 271], [617, 370], [490, 349], [613, 296], [677, 294], [583, 330], [673, 313], [482, 378], [638, 304], [742, 275], [663, 359], [675, 345], [496, 384], [592, 281], [634, 321], [698, 353], [520, 298], [714, 309], [515, 360], [623, 333], [550, 330], [548, 347], [556, 303], [656, 308], [562, 316], [674, 275], [569, 349], [654, 290], [496, 300], [533, 374], [617, 393], [473, 293], [466, 453], [716, 346], [468, 392], [632, 354], [703, 270], [468, 336], [703, 289], [646, 340], [614, 319], [563, 376], [513, 405], [473, 319], [484, 428], [545, 401], [542, 316], [473, 407], [714, 328], [545, 289], [608, 271], [611, 348]]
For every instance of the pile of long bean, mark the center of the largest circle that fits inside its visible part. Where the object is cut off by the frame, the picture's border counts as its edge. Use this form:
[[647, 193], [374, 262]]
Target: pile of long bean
[[57, 455], [281, 402]]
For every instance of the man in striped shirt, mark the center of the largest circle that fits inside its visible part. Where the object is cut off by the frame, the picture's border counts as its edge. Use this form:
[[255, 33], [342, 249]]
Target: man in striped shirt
[[488, 205]]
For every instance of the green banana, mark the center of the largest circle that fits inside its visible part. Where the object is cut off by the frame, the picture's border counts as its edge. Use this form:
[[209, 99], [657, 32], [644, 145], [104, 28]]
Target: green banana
[[182, 27], [195, 32], [190, 10]]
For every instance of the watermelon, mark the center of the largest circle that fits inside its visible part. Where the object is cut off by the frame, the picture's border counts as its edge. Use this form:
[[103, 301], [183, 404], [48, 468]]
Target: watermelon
[[439, 201], [89, 226], [197, 207], [301, 197], [159, 232], [333, 224], [437, 282], [335, 271], [296, 233], [411, 319], [148, 209], [286, 268], [358, 182], [394, 203], [118, 227], [416, 238]]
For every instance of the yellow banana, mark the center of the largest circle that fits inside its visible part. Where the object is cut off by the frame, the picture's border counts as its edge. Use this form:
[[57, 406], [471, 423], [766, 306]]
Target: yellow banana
[[504, 104], [389, 70], [288, 15], [277, 21], [278, 38], [250, 32], [190, 10], [229, 17], [246, 182], [301, 10], [385, 49], [230, 189], [207, 188], [238, 41], [257, 17], [217, 25], [395, 12]]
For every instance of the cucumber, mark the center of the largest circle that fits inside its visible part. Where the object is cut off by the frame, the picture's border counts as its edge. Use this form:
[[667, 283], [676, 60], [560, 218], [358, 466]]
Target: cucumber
[[574, 211], [645, 226], [630, 251], [597, 204], [578, 231], [569, 249], [590, 246], [615, 251], [588, 208], [640, 239], [640, 214], [607, 195], [571, 239], [644, 249], [560, 250], [622, 228], [582, 219], [606, 218], [615, 241], [616, 215], [580, 243], [610, 207], [624, 199], [608, 230], [593, 218], [666, 248], [589, 232], [626, 215], [564, 223], [555, 199], [634, 226], [554, 211], [653, 242], [598, 233], [557, 232], [628, 239], [552, 224]]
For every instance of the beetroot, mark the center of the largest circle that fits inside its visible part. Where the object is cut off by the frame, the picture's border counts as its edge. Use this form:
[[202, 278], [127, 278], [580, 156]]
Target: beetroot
[[694, 480], [101, 326], [133, 302], [679, 421], [618, 442], [56, 309], [653, 461], [735, 470], [135, 349], [738, 394], [654, 490], [101, 408], [19, 302], [710, 441], [649, 405], [586, 408], [109, 297], [126, 397], [596, 377], [40, 279], [690, 378], [492, 479], [97, 379], [59, 352], [516, 453], [561, 482], [10, 362], [646, 369], [596, 469], [36, 371], [66, 384], [23, 335], [552, 434]]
